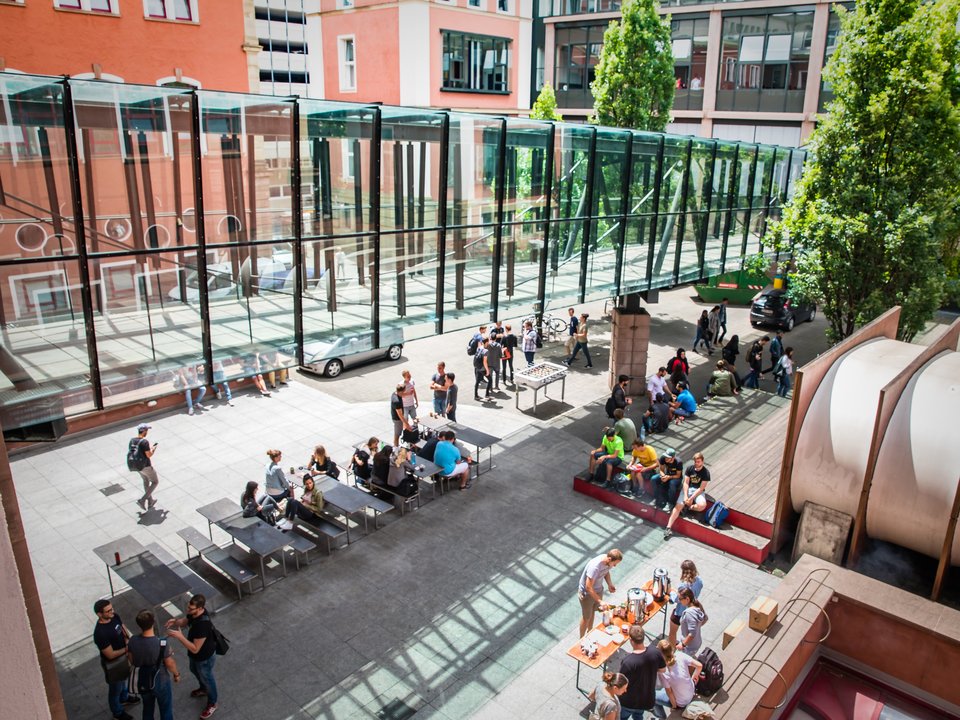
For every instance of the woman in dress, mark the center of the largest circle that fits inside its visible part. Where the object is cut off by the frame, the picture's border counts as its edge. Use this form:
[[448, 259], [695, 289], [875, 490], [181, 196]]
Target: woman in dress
[[678, 678], [692, 618], [607, 696], [278, 487], [688, 579]]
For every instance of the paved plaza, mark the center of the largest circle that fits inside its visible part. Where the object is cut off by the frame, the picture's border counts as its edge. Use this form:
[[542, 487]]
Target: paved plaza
[[465, 606]]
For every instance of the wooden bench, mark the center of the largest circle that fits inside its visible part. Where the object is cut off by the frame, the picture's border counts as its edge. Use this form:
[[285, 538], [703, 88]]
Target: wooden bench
[[322, 528], [218, 558], [404, 499]]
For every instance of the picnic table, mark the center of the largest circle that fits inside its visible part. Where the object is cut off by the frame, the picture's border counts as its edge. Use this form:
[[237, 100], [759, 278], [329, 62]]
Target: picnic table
[[142, 570], [479, 439]]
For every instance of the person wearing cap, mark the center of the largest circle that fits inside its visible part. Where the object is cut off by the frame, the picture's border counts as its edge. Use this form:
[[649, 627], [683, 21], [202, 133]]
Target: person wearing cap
[[666, 489], [694, 494], [148, 473], [643, 466], [610, 453]]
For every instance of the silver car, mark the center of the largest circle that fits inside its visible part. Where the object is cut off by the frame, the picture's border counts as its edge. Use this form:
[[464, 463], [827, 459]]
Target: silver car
[[331, 358]]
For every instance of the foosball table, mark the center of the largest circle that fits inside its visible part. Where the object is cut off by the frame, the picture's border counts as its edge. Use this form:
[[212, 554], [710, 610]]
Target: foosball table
[[538, 377]]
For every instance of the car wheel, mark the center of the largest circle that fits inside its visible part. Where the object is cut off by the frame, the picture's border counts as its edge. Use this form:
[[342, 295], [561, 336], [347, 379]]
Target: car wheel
[[394, 352], [333, 368], [790, 323], [813, 315], [755, 323]]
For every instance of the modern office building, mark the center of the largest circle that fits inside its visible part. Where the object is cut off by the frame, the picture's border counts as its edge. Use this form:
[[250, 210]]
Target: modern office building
[[281, 27], [746, 71], [151, 42]]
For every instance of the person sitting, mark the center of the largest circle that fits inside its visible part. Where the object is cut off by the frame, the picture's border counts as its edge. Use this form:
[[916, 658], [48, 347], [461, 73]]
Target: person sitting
[[321, 464], [451, 463], [657, 418], [259, 505], [429, 448], [278, 487], [666, 487], [381, 465], [643, 466], [693, 496], [685, 406], [307, 508], [722, 382], [400, 477], [362, 462], [610, 454], [678, 680], [625, 428]]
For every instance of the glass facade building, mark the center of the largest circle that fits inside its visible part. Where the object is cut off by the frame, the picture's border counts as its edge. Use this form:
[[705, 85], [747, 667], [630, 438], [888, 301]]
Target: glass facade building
[[147, 229]]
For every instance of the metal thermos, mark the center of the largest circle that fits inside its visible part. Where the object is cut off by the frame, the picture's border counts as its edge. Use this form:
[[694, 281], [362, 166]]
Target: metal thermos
[[661, 584], [635, 603]]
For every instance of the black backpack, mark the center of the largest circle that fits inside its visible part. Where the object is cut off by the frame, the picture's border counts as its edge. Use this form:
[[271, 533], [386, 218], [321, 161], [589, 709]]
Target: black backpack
[[136, 460], [144, 679], [473, 344], [610, 407], [711, 677]]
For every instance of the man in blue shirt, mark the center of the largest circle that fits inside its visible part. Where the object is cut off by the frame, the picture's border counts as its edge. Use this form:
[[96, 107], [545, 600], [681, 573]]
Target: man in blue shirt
[[447, 457], [685, 406]]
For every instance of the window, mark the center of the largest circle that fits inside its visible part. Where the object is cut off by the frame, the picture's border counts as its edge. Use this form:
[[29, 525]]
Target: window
[[473, 3], [341, 4], [171, 9], [475, 63], [503, 6], [346, 53], [577, 54], [97, 6]]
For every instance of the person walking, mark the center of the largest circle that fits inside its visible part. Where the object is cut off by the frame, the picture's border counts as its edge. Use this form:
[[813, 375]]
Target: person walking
[[703, 333], [438, 383], [783, 372], [713, 326], [529, 342], [452, 392], [110, 636], [154, 666], [776, 350], [755, 361], [141, 451], [590, 587], [201, 648], [509, 342], [581, 344], [722, 318], [481, 369], [640, 667], [572, 328]]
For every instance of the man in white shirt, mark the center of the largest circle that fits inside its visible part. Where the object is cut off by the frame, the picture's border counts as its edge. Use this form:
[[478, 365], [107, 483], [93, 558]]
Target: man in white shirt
[[590, 589], [657, 383]]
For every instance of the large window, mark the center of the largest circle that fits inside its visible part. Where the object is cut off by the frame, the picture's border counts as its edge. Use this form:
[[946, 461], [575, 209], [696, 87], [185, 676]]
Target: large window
[[578, 52], [689, 61], [833, 32], [476, 63], [346, 54], [764, 62]]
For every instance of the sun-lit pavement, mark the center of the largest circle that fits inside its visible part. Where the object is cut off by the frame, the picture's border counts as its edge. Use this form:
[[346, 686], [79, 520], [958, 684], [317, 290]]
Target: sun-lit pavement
[[465, 603]]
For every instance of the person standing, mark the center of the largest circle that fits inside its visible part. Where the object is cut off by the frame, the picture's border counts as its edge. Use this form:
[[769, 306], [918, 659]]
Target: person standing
[[410, 400], [481, 369], [494, 356], [640, 667], [438, 383], [713, 325], [572, 327], [785, 374], [722, 318], [581, 344], [693, 495], [776, 349], [689, 578], [452, 392], [618, 399], [606, 696], [755, 361], [529, 342], [152, 657], [730, 352], [397, 415], [201, 648], [142, 452], [509, 343], [110, 636], [692, 619], [590, 588]]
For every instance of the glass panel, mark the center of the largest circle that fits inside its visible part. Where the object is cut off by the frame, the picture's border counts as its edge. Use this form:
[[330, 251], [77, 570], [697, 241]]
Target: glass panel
[[409, 167], [563, 263], [520, 269], [474, 168], [642, 191], [335, 167], [466, 283], [408, 283]]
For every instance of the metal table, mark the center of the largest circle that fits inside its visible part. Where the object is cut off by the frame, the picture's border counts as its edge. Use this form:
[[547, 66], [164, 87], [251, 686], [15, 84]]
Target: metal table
[[480, 440], [143, 571], [218, 511], [260, 538], [538, 377], [348, 500], [429, 472]]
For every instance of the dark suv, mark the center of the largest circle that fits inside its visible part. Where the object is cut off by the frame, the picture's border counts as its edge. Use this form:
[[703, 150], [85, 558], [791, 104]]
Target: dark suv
[[773, 307]]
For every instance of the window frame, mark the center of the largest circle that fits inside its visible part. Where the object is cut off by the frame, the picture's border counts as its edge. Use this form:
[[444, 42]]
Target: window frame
[[85, 6], [170, 11], [467, 44], [343, 63]]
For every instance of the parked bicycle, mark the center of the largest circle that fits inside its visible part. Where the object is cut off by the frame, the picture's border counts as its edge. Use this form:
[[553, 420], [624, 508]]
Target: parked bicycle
[[551, 323]]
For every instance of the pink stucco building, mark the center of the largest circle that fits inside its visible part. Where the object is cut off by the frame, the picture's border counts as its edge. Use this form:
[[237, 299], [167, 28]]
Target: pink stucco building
[[458, 54]]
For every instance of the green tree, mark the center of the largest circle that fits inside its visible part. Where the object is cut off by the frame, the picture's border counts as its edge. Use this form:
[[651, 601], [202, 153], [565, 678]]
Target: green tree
[[545, 107], [875, 215], [634, 82]]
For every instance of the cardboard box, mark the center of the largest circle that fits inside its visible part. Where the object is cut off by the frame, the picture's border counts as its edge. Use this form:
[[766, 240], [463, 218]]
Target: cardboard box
[[763, 613], [733, 629]]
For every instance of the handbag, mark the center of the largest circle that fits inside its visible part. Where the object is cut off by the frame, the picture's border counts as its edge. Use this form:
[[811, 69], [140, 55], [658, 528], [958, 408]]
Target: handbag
[[117, 670]]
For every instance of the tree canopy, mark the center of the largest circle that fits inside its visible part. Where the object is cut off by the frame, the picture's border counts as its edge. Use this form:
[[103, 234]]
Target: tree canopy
[[634, 81], [545, 107], [875, 214]]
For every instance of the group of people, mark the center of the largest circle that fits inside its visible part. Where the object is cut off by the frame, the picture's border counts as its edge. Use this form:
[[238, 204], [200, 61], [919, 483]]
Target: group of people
[[264, 370], [277, 504], [665, 674], [404, 400], [145, 662]]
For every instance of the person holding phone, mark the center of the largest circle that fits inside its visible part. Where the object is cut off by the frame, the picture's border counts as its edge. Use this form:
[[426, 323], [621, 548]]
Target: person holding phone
[[141, 448]]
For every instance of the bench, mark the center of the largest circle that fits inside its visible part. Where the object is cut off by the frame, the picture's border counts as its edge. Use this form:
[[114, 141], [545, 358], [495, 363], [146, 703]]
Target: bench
[[322, 528], [404, 500], [218, 558], [300, 546], [197, 584]]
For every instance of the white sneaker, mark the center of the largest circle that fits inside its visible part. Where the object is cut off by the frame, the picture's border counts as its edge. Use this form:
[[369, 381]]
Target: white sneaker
[[285, 524], [198, 406], [190, 411]]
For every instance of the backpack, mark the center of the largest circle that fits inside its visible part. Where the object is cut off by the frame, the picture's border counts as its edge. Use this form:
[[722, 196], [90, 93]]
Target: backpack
[[136, 460], [717, 514], [610, 407], [778, 371], [144, 679], [711, 677], [621, 483], [473, 345]]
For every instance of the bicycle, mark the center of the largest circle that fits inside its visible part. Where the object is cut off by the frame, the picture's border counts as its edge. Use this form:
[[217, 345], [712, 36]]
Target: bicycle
[[550, 323]]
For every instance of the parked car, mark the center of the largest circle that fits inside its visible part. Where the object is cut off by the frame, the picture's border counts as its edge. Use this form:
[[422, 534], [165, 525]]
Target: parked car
[[331, 358], [772, 307]]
